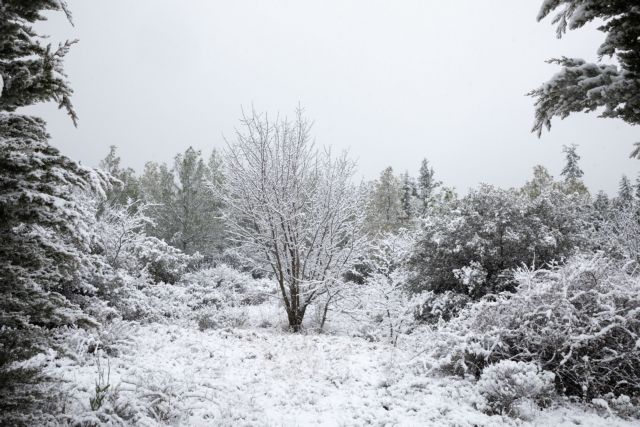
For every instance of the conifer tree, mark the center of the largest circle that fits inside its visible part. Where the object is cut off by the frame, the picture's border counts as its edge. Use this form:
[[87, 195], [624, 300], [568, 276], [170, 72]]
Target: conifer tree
[[128, 187], [625, 192], [541, 182], [584, 87], [426, 184], [407, 197], [184, 209], [571, 171], [44, 239]]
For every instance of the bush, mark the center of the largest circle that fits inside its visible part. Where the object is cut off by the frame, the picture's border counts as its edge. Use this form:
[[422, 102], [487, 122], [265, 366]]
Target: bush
[[508, 384], [163, 262], [432, 307], [471, 246], [580, 321]]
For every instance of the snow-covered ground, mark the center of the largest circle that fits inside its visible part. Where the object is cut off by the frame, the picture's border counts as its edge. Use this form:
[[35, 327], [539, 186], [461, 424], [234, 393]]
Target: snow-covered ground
[[169, 374]]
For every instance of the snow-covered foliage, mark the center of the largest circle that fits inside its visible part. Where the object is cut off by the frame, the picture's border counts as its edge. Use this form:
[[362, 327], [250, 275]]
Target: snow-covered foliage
[[583, 86], [579, 321], [32, 71], [46, 265], [382, 304], [508, 385], [619, 232], [292, 207], [471, 246], [184, 210]]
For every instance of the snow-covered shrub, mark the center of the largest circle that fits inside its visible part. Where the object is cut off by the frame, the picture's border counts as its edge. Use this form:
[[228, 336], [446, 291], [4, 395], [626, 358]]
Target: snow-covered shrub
[[432, 307], [157, 397], [217, 319], [623, 406], [507, 384], [382, 303], [471, 246], [619, 232], [163, 262], [211, 296], [580, 321]]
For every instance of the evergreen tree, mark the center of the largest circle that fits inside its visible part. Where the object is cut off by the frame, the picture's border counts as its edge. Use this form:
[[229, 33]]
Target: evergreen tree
[[571, 171], [185, 212], [426, 185], [625, 192], [44, 243], [541, 182], [128, 187], [601, 203], [407, 198], [385, 209], [30, 71], [582, 86]]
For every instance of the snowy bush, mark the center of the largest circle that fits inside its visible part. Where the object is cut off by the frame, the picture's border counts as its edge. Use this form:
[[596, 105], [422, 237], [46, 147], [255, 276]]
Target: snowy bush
[[432, 307], [471, 246], [507, 384], [382, 303], [163, 262], [580, 321]]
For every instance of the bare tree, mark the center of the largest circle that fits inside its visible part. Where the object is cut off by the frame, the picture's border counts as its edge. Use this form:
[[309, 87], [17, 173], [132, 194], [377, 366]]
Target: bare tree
[[292, 207]]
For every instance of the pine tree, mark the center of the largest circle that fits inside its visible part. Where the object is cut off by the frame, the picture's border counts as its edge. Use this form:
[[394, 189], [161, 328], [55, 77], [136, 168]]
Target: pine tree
[[542, 181], [407, 197], [601, 203], [625, 192], [426, 185], [582, 86], [31, 71], [128, 187], [571, 171], [44, 266], [184, 209]]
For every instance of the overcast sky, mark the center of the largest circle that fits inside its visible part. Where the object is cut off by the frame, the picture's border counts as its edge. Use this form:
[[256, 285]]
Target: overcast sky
[[391, 81]]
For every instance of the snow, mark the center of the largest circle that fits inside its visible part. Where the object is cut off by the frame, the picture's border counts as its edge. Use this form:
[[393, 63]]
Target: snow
[[177, 375]]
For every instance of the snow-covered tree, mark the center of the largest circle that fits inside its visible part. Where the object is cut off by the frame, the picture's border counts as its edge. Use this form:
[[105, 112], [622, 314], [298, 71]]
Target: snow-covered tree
[[385, 210], [183, 208], [128, 187], [583, 86], [625, 192], [292, 207], [426, 184], [31, 71], [408, 198], [542, 181], [45, 255], [571, 171]]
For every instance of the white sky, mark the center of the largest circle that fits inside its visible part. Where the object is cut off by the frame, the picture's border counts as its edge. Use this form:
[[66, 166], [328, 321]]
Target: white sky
[[391, 81]]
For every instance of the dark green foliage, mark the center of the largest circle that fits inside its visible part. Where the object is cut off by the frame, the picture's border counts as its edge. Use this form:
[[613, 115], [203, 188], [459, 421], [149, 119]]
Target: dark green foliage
[[471, 246], [44, 239], [32, 72], [582, 86], [43, 263]]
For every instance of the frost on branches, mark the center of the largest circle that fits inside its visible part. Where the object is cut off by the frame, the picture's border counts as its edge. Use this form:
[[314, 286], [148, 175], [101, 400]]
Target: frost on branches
[[292, 207]]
